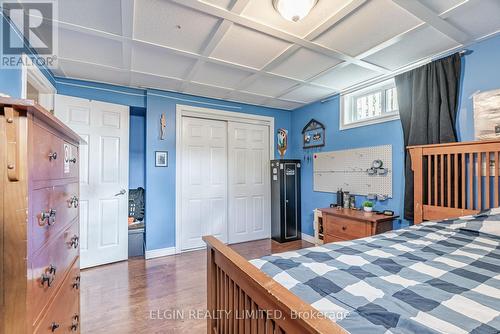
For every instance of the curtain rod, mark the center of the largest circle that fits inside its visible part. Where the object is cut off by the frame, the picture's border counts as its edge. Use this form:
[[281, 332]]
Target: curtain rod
[[464, 52]]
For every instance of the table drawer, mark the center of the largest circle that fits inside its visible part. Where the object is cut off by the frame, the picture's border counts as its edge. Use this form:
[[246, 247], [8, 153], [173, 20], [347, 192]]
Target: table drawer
[[50, 265], [53, 209], [330, 238], [63, 314], [346, 229]]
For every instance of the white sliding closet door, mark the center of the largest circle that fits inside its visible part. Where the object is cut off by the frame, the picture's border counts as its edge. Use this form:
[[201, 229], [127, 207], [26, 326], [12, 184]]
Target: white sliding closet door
[[249, 182], [204, 181]]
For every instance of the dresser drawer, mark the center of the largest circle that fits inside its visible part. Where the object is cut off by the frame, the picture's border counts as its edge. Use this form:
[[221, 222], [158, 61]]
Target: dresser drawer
[[48, 154], [63, 314], [50, 265], [345, 228], [53, 209], [53, 157]]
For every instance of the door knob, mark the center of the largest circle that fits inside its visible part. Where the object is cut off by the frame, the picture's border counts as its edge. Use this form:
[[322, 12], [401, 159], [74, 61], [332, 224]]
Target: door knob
[[122, 192]]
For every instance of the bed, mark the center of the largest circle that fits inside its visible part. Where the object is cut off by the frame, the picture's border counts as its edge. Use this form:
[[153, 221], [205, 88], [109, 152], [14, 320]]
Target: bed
[[433, 277]]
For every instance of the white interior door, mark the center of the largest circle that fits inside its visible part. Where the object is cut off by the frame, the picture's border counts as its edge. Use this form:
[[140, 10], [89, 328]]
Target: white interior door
[[204, 181], [103, 176], [249, 182]]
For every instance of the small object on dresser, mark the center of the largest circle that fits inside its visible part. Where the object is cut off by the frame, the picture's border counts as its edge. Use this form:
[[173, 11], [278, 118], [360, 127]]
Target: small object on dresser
[[388, 213], [368, 206], [340, 197], [347, 200]]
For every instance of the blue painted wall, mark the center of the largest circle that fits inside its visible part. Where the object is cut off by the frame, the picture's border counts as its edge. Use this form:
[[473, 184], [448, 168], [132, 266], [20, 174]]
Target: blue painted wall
[[159, 181], [481, 71], [373, 135], [137, 150]]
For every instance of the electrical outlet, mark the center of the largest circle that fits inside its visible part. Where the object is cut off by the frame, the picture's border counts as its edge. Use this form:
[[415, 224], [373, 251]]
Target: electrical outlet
[[497, 129]]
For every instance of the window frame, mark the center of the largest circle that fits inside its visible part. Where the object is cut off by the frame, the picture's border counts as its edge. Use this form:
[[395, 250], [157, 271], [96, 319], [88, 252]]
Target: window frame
[[348, 106]]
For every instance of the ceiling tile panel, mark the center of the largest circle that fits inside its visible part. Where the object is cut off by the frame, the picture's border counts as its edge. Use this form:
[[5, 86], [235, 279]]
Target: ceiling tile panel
[[95, 14], [345, 76], [263, 11], [145, 80], [307, 94], [207, 91], [419, 45], [373, 23], [160, 62], [478, 19], [89, 48], [165, 23], [270, 86], [304, 64], [248, 98], [84, 71], [248, 47], [441, 6], [219, 75], [281, 104]]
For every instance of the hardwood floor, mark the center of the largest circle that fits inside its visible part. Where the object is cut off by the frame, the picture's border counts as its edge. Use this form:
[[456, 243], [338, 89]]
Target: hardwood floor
[[140, 296]]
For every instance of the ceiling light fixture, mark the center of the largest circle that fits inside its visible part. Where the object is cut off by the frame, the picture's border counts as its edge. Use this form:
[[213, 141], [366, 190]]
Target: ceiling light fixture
[[294, 10]]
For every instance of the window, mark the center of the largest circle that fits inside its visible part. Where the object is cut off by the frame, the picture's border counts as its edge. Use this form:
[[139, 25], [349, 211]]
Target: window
[[374, 104]]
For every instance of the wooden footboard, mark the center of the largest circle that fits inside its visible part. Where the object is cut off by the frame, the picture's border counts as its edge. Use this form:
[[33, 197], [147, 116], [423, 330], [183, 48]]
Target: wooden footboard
[[455, 179], [243, 299]]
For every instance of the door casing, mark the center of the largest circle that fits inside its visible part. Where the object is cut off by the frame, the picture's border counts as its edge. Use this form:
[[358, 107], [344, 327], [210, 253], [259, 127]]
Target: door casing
[[214, 114]]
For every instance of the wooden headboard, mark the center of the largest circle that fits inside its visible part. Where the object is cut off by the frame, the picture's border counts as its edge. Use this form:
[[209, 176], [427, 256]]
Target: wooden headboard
[[455, 179]]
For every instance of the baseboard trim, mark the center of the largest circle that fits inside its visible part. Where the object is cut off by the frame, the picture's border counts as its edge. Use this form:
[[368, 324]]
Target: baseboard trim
[[308, 238], [151, 254]]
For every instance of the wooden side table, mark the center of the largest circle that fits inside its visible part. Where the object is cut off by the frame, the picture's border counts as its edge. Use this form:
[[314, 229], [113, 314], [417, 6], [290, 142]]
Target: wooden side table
[[347, 224]]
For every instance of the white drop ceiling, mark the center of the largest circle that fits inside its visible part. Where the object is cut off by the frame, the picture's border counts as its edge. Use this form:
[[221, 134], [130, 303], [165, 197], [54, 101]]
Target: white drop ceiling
[[243, 50]]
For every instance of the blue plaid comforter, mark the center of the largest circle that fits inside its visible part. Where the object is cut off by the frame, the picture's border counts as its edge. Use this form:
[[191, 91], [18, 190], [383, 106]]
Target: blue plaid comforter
[[430, 278]]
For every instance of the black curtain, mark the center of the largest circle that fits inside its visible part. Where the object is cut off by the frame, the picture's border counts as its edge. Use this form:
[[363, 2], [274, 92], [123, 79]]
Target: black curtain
[[428, 100]]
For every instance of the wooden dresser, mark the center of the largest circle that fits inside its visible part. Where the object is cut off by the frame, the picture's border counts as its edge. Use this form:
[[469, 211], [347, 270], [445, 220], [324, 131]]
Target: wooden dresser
[[348, 224], [39, 226]]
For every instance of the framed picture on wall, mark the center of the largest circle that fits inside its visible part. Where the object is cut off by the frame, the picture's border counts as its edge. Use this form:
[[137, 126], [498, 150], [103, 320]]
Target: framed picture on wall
[[161, 159]]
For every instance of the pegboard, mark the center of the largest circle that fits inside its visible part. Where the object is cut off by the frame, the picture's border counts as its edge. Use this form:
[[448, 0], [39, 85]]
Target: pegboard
[[347, 169]]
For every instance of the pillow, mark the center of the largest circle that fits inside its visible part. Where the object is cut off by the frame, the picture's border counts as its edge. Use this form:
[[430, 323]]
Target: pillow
[[487, 222]]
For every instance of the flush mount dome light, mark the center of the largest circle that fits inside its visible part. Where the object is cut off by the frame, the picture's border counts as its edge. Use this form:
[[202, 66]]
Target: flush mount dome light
[[294, 10]]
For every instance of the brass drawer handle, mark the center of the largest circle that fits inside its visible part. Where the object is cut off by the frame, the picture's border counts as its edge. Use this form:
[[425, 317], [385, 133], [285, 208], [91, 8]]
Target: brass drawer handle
[[54, 326], [49, 275], [75, 323], [52, 156], [47, 218], [73, 202], [76, 283], [47, 278], [74, 242]]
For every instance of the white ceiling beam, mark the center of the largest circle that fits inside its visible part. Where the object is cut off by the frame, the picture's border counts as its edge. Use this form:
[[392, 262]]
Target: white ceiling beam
[[127, 8], [290, 38], [419, 10]]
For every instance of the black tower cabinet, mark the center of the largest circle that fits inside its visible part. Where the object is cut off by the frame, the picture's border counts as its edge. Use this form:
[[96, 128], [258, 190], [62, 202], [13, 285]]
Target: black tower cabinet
[[285, 200]]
